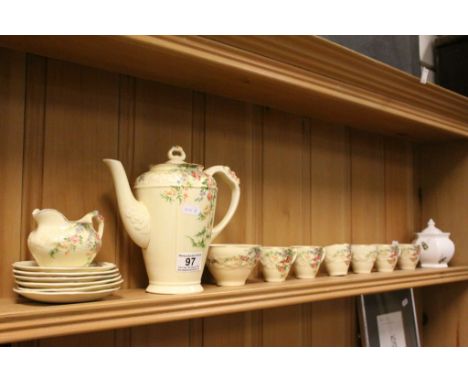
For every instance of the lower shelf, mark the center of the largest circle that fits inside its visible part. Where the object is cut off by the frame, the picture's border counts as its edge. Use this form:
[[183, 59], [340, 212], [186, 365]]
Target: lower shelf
[[22, 320]]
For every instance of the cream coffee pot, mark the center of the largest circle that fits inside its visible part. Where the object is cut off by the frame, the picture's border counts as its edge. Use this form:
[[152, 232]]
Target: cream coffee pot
[[172, 218]]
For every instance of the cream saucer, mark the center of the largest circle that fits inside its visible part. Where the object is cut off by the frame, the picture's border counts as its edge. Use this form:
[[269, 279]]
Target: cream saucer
[[64, 297], [51, 278], [73, 289], [47, 285], [32, 266], [62, 274]]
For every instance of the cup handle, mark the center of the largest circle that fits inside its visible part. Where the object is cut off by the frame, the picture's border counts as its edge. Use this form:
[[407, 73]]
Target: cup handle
[[232, 180], [322, 255], [100, 220]]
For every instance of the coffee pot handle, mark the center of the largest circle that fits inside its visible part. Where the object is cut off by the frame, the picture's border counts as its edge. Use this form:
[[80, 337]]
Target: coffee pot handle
[[232, 180]]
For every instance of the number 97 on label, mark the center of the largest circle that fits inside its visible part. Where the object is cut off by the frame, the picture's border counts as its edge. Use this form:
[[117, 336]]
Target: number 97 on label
[[189, 262]]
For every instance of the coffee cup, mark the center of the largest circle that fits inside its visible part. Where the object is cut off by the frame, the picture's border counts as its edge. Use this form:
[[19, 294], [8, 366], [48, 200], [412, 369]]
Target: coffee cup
[[363, 257], [337, 259], [308, 260]]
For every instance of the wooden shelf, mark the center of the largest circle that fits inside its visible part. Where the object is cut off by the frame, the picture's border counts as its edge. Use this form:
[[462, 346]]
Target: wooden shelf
[[24, 320], [304, 75]]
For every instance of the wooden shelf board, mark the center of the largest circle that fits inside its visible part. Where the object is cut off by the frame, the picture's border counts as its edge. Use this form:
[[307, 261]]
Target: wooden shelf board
[[304, 75], [21, 319]]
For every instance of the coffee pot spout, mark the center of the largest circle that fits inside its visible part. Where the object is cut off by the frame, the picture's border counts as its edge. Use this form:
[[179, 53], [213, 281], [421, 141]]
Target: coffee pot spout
[[134, 214]]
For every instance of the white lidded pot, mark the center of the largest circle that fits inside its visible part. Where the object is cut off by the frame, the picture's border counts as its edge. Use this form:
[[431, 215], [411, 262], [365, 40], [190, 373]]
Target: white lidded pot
[[171, 218], [436, 247]]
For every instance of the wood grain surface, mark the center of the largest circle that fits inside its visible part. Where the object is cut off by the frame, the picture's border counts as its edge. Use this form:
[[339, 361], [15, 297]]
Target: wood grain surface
[[12, 100], [303, 181], [21, 319], [444, 183], [303, 75]]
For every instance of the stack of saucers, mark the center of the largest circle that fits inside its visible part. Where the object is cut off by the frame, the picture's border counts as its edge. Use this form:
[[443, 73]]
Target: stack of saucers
[[66, 284]]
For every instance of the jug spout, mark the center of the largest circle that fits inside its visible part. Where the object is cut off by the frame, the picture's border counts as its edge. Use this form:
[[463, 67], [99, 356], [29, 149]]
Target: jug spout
[[49, 216], [134, 214]]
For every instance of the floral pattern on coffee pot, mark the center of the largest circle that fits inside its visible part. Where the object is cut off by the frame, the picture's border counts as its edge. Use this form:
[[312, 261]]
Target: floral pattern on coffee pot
[[436, 247], [172, 218]]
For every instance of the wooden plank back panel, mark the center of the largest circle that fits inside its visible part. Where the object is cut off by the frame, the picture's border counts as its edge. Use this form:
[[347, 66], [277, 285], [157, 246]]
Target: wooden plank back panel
[[33, 150], [125, 248], [367, 188], [228, 330], [167, 334], [330, 184], [230, 131], [81, 128], [446, 311], [285, 191], [102, 338], [444, 183], [401, 201], [368, 215], [33, 154], [399, 190], [331, 322], [12, 98]]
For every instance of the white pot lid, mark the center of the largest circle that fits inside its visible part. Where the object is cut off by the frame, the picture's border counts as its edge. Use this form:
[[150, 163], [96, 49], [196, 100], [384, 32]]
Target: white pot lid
[[432, 230]]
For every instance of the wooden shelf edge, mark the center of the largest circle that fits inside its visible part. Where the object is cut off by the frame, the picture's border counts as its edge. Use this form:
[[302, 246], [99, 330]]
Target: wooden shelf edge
[[272, 71], [332, 60], [21, 320]]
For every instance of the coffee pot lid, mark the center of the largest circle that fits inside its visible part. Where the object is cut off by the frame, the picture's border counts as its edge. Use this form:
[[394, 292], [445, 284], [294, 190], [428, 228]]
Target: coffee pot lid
[[176, 155], [175, 173]]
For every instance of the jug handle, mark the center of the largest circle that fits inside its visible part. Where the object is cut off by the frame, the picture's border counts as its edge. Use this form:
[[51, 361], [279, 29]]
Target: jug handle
[[100, 220], [232, 180]]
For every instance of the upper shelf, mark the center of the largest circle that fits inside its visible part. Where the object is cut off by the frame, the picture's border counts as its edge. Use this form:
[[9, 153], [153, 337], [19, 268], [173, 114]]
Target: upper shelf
[[23, 320], [305, 75]]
